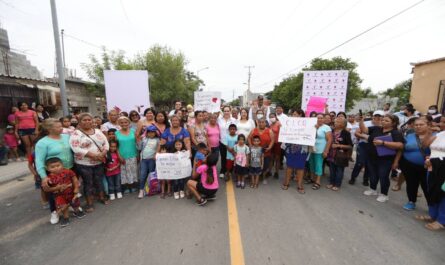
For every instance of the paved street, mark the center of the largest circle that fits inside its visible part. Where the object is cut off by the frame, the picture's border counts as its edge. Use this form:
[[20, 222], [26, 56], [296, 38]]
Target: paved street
[[276, 227]]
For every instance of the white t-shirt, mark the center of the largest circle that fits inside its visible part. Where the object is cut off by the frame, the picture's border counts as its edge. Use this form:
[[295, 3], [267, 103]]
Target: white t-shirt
[[245, 127], [438, 146], [282, 117], [224, 128], [108, 125], [353, 128]]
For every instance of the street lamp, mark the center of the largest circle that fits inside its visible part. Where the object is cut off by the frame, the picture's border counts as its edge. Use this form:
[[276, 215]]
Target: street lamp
[[202, 69]]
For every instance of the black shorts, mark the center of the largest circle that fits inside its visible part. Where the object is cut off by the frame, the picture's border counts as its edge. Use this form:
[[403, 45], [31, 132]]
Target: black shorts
[[255, 171], [205, 191], [24, 132], [239, 170]]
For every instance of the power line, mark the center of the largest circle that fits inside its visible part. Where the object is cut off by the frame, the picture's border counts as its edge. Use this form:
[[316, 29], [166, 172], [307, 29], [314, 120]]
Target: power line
[[347, 41], [84, 41]]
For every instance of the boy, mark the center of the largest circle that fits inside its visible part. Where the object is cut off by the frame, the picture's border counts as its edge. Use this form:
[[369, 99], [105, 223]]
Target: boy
[[231, 140], [65, 186], [111, 134], [256, 161], [201, 154]]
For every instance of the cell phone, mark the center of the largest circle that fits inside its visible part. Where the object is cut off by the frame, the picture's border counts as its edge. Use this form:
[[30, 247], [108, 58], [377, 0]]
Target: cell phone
[[360, 112]]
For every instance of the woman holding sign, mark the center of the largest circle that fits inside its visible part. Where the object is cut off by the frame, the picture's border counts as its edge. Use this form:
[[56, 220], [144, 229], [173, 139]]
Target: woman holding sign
[[323, 142], [386, 142]]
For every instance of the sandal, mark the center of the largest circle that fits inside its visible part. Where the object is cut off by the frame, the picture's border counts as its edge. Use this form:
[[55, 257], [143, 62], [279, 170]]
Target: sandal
[[335, 188], [89, 209], [395, 188], [329, 186], [301, 190], [308, 181], [435, 226], [285, 187], [425, 218], [163, 195], [316, 186]]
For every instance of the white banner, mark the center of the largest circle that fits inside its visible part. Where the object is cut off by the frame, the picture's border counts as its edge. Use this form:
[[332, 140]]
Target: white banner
[[127, 90], [326, 84], [173, 166], [298, 131], [209, 101]]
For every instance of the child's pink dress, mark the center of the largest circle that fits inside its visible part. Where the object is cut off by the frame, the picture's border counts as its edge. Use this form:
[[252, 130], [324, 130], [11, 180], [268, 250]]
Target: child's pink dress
[[10, 140]]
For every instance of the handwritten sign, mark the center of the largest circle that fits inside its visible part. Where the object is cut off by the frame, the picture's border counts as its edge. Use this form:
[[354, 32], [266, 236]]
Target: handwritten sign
[[209, 101], [173, 166], [298, 131], [316, 104]]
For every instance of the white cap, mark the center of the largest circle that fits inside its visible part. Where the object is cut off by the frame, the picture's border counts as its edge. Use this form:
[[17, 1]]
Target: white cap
[[378, 112]]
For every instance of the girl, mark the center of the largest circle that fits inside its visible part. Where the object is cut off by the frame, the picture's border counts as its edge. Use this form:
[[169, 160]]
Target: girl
[[242, 153], [256, 161], [113, 171], [208, 186], [178, 184], [11, 142], [66, 124], [164, 182], [148, 146]]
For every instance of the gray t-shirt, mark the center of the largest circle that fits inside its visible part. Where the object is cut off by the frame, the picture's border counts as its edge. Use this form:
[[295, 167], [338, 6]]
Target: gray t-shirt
[[255, 156]]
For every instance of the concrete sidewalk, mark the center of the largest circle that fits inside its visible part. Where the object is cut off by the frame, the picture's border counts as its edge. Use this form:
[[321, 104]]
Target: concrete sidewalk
[[13, 170]]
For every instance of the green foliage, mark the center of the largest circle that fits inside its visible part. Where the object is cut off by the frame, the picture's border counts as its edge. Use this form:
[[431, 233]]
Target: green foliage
[[235, 103], [288, 91], [367, 93], [169, 80], [401, 90]]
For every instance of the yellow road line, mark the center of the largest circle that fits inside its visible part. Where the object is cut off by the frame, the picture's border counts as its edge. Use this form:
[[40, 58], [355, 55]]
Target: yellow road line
[[236, 245]]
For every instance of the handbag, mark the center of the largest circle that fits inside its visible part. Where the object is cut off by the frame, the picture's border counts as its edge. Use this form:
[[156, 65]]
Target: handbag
[[342, 157]]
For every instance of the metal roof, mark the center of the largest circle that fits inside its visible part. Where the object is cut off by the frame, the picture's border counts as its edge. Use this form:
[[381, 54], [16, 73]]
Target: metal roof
[[428, 62]]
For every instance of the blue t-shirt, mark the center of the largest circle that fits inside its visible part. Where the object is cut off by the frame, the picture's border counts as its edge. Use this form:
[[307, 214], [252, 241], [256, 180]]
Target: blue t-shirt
[[199, 156], [320, 140], [170, 138], [412, 151], [231, 141]]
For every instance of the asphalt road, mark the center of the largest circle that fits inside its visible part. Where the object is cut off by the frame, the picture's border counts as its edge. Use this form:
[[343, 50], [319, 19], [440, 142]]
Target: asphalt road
[[276, 227]]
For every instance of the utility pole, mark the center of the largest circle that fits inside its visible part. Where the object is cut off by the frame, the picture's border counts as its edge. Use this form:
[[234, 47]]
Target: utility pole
[[63, 49], [249, 75], [60, 70]]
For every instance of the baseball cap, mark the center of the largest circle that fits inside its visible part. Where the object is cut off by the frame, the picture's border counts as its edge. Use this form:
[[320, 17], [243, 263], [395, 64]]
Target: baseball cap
[[151, 128], [378, 112]]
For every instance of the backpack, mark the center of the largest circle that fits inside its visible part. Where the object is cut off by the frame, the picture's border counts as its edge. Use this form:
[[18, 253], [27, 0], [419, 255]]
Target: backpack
[[152, 185]]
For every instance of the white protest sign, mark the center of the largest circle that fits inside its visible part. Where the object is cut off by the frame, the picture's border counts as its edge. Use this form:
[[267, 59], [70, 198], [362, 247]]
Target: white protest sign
[[298, 131], [173, 166], [332, 85], [209, 101], [127, 90]]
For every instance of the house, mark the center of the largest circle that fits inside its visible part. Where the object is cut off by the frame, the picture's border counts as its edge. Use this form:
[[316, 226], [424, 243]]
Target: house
[[428, 86]]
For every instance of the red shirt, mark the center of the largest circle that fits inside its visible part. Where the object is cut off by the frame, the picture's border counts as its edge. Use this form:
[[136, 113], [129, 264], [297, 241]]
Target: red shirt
[[26, 119], [113, 163], [64, 177], [265, 139]]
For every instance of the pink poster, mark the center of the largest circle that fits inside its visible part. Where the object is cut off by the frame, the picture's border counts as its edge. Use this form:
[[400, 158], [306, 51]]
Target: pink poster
[[316, 104]]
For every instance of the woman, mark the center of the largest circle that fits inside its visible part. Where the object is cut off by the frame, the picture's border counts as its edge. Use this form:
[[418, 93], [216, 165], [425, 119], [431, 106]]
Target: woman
[[27, 126], [97, 122], [113, 115], [134, 118], [182, 114], [149, 119], [90, 147], [198, 132], [161, 122], [296, 156], [11, 116], [244, 124], [267, 140], [224, 123], [412, 161], [381, 162], [323, 141], [175, 132], [213, 133], [339, 153], [235, 113], [260, 115], [126, 138], [276, 151], [41, 113], [54, 144]]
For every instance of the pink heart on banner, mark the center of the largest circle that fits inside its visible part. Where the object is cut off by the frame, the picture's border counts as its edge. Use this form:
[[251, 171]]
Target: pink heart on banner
[[214, 100]]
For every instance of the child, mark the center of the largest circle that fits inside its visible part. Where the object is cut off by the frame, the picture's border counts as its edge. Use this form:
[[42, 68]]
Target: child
[[65, 186], [113, 172], [179, 184], [231, 140], [208, 186], [164, 182], [201, 154], [111, 134], [241, 161], [37, 180], [66, 124], [11, 142], [148, 146], [256, 161]]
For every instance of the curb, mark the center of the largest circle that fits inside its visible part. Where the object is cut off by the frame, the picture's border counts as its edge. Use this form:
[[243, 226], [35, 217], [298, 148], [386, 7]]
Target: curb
[[6, 179]]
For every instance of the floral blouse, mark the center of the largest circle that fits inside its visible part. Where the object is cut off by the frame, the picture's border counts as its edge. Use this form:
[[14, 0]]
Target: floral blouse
[[81, 144]]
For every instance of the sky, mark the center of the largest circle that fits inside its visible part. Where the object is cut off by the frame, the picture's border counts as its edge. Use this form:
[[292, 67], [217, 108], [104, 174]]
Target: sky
[[277, 37]]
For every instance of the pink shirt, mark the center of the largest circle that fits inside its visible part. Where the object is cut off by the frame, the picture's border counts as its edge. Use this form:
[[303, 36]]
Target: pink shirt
[[11, 118], [26, 119], [203, 171], [10, 140], [213, 135], [112, 164]]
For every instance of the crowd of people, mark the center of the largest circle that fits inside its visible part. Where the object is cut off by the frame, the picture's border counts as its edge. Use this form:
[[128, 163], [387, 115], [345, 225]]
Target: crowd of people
[[81, 155]]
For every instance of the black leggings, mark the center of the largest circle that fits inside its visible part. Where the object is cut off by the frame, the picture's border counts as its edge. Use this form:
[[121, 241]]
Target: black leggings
[[223, 152], [414, 175]]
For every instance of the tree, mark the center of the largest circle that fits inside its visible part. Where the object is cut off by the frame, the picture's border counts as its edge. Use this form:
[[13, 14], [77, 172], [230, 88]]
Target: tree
[[168, 78], [401, 91], [288, 91], [234, 103]]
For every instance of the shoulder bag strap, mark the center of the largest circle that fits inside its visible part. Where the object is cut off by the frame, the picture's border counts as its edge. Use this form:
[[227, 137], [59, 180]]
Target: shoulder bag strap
[[98, 147]]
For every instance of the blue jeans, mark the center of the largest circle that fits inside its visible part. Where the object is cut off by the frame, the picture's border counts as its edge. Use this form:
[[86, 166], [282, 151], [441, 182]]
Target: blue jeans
[[336, 174], [114, 183], [147, 166], [437, 211], [379, 171], [178, 184], [360, 162]]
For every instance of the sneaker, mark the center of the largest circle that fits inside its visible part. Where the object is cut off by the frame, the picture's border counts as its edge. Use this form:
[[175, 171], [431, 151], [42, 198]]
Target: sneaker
[[265, 182], [382, 198], [79, 214], [64, 222], [370, 192], [221, 176], [201, 202], [365, 183], [210, 198], [181, 194], [238, 184], [176, 194], [409, 206], [141, 194], [54, 218], [243, 185], [112, 197], [119, 195]]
